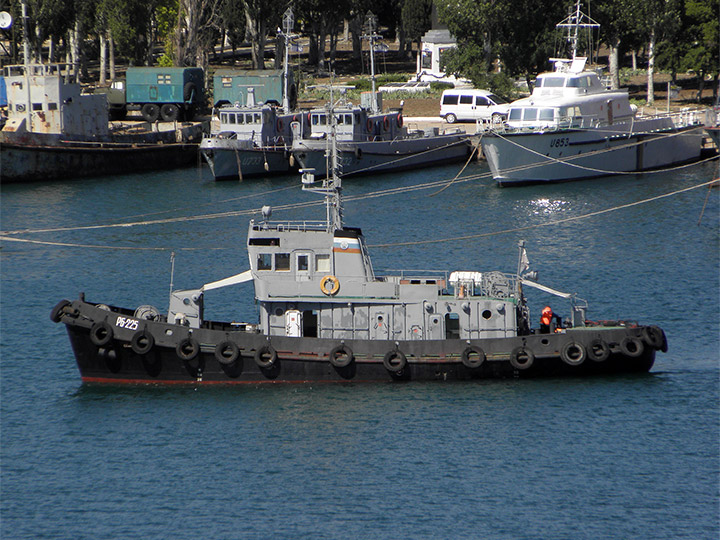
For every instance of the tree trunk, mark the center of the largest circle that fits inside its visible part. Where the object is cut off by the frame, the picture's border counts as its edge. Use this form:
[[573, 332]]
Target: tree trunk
[[634, 60], [651, 69], [615, 64], [103, 58], [111, 51], [51, 49], [356, 29], [701, 85]]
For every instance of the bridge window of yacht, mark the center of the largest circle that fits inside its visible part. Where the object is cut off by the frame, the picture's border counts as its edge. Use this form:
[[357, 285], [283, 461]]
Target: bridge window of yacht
[[264, 261], [515, 114], [552, 82], [529, 114], [546, 114], [282, 262]]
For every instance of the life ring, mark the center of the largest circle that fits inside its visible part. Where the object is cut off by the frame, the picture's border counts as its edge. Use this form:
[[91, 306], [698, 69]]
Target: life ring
[[227, 352], [280, 124], [341, 356], [472, 357], [386, 123], [295, 118], [632, 347], [399, 120], [101, 333], [142, 341], [653, 336], [329, 285], [187, 349], [395, 361], [573, 354], [358, 153], [369, 125], [308, 118], [522, 358], [265, 356], [598, 350], [57, 312]]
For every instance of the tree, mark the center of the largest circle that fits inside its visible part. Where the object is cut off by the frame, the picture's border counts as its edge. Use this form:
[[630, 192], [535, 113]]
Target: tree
[[260, 17], [702, 40], [198, 26], [416, 15]]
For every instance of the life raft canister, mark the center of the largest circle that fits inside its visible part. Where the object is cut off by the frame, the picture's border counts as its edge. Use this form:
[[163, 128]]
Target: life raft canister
[[546, 316]]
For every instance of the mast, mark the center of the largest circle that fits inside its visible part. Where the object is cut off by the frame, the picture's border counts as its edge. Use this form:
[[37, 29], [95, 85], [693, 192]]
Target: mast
[[288, 22], [26, 62], [370, 25], [574, 21]]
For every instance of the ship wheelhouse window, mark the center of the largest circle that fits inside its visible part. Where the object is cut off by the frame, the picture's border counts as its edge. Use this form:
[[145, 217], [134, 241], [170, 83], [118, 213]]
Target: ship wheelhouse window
[[52, 106], [282, 262], [546, 114], [515, 114], [322, 263], [530, 114], [264, 261], [553, 82], [37, 107]]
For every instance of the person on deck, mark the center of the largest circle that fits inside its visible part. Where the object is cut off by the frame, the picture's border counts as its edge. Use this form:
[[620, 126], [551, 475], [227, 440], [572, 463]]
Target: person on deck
[[546, 318]]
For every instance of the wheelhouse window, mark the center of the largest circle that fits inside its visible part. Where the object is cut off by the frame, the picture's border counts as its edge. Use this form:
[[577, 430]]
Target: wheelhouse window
[[552, 82], [546, 114], [322, 263], [282, 262], [530, 114], [264, 261], [515, 114]]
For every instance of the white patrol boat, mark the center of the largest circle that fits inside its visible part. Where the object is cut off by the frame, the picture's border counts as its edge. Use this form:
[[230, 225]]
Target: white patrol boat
[[573, 127], [325, 315]]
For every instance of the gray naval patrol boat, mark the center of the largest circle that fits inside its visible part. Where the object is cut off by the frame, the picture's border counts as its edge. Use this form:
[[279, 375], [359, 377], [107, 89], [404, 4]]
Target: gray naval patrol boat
[[324, 315]]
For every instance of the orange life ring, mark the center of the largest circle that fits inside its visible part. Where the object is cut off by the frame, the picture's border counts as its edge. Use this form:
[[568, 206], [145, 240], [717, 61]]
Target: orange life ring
[[329, 285], [308, 118], [386, 123], [369, 125], [399, 120]]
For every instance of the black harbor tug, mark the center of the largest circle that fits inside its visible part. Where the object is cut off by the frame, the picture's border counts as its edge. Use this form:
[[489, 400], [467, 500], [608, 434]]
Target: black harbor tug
[[324, 315]]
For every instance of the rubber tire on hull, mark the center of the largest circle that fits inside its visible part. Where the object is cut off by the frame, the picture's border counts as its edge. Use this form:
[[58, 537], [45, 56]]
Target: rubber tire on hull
[[227, 353], [632, 347], [653, 336], [395, 361], [598, 351], [57, 311], [142, 342], [573, 354], [187, 349], [260, 359], [516, 358], [341, 356], [473, 357], [101, 333]]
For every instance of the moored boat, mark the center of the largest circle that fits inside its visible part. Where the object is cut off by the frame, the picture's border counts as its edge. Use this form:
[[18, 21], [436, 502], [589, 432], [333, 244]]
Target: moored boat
[[572, 127], [325, 315], [55, 131]]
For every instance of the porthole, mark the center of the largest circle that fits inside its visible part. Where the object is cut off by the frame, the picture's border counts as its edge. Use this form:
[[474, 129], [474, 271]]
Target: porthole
[[486, 314], [279, 312]]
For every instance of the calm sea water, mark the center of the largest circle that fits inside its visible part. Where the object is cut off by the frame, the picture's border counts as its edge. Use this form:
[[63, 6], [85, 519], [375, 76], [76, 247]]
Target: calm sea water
[[617, 457]]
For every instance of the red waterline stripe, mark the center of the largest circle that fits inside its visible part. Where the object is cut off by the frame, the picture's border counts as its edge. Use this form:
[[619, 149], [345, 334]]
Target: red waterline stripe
[[106, 380]]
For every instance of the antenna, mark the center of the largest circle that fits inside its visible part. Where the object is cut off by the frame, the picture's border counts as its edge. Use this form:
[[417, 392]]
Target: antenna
[[288, 22], [573, 23], [370, 26]]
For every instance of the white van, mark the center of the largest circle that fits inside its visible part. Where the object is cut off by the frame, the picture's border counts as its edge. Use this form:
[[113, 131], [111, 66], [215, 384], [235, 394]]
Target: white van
[[460, 104]]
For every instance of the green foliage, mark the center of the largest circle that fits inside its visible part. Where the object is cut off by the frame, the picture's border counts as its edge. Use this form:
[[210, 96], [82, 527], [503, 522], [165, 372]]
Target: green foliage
[[416, 18], [440, 87]]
